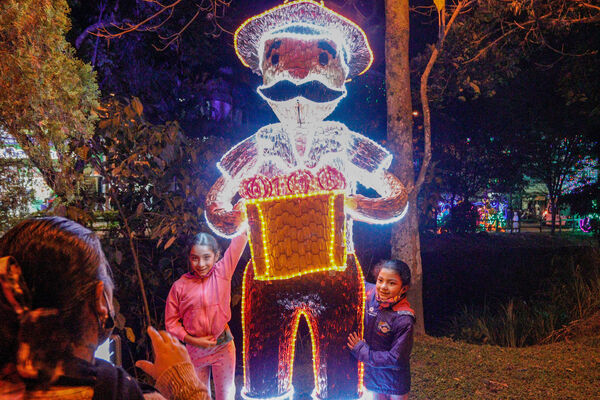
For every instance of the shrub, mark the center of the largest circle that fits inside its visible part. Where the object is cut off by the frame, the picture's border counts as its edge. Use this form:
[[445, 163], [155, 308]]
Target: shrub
[[572, 292], [463, 218]]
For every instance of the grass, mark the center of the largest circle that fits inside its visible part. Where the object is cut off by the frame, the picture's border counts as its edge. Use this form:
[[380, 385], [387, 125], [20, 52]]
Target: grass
[[450, 370], [445, 369]]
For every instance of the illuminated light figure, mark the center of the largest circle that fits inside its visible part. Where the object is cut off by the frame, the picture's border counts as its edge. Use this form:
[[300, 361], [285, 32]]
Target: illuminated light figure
[[298, 180]]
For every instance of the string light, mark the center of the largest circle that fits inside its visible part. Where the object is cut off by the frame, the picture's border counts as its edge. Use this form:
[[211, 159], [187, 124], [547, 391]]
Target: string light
[[261, 248], [319, 4], [314, 337], [314, 340], [296, 229]]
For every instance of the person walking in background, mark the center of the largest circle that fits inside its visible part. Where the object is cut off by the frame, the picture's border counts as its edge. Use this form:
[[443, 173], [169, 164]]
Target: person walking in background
[[388, 333], [198, 310]]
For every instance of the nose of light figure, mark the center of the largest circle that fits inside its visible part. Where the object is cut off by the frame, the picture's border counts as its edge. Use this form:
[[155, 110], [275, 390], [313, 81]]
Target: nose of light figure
[[298, 73]]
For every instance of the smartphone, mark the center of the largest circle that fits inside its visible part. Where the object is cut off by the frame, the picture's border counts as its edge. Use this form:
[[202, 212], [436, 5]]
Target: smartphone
[[110, 350]]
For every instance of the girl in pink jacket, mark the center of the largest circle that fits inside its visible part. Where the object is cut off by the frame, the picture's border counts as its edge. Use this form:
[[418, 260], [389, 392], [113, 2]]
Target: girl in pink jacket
[[197, 311]]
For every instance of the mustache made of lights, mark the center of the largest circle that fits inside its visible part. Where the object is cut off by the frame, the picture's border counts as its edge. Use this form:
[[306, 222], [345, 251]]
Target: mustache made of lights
[[314, 90]]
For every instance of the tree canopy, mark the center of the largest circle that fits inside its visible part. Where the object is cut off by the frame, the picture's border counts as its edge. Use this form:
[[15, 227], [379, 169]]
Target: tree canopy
[[48, 94]]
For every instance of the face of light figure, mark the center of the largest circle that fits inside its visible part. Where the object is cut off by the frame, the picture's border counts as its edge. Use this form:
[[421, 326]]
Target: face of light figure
[[303, 77]]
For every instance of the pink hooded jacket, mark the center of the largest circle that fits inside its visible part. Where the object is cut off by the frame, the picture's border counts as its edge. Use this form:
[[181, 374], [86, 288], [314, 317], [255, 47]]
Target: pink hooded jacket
[[200, 306]]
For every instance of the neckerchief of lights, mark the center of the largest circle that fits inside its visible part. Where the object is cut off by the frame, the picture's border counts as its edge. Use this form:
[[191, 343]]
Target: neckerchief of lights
[[298, 179]]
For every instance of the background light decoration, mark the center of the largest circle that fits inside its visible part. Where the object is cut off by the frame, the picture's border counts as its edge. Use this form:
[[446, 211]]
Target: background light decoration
[[297, 182], [585, 225], [584, 173]]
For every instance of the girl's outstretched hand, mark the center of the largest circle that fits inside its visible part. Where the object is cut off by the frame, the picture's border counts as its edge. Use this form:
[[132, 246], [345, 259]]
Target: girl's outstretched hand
[[201, 341], [353, 340], [167, 351]]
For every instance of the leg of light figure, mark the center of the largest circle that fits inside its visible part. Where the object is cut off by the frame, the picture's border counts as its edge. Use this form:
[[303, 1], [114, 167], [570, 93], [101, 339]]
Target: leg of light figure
[[342, 315], [264, 322]]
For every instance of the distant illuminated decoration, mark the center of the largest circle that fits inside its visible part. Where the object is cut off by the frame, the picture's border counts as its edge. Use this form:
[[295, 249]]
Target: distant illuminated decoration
[[294, 186], [585, 224], [584, 173]]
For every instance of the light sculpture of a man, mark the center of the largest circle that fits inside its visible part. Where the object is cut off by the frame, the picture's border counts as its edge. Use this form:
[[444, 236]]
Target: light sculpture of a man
[[298, 179]]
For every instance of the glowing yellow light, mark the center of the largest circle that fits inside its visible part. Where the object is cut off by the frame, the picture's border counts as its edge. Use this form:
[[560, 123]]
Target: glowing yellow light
[[260, 248], [244, 339], [291, 3], [313, 340], [363, 296], [312, 327]]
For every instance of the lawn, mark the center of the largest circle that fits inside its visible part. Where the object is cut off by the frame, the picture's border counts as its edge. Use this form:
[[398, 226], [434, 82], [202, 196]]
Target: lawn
[[448, 370], [444, 369]]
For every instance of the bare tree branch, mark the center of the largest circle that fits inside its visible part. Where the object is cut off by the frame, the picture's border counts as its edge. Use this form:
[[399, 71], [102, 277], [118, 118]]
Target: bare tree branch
[[423, 91]]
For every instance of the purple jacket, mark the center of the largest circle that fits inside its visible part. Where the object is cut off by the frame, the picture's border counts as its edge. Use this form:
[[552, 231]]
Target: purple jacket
[[385, 351]]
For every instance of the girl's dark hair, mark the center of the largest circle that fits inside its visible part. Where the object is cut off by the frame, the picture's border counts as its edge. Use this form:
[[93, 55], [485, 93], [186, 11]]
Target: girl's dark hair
[[61, 264], [204, 239], [399, 267]]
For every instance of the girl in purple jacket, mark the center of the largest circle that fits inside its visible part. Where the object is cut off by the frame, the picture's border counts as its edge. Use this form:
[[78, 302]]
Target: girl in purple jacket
[[197, 311], [388, 333]]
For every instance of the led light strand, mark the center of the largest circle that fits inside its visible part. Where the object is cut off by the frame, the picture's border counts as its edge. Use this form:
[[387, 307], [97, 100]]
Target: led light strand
[[291, 3], [363, 296], [266, 252], [243, 312], [265, 241], [313, 340]]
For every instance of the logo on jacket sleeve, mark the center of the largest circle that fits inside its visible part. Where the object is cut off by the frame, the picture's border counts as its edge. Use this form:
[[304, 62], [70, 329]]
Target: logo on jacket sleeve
[[383, 327]]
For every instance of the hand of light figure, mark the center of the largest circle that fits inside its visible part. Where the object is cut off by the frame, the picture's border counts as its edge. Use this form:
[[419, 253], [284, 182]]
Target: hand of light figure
[[167, 351], [201, 341], [353, 340], [351, 201]]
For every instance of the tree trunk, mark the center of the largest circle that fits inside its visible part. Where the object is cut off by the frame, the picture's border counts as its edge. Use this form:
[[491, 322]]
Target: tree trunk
[[405, 234], [553, 214]]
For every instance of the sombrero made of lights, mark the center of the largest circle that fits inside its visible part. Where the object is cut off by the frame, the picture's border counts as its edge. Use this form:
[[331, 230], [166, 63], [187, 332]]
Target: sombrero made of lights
[[247, 38]]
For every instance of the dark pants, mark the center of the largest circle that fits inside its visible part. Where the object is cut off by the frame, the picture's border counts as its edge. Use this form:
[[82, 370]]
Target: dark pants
[[332, 303]]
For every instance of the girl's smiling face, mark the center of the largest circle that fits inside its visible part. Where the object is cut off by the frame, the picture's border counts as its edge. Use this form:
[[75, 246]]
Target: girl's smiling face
[[389, 284], [201, 259]]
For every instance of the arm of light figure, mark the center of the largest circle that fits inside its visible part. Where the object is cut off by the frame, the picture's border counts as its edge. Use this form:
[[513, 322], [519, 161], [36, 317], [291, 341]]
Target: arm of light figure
[[223, 218], [388, 208]]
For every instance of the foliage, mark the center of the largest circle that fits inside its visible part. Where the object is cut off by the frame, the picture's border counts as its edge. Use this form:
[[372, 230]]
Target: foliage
[[463, 218], [494, 39], [15, 191], [570, 292], [47, 94], [586, 202], [183, 82], [157, 175], [507, 68], [156, 180]]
